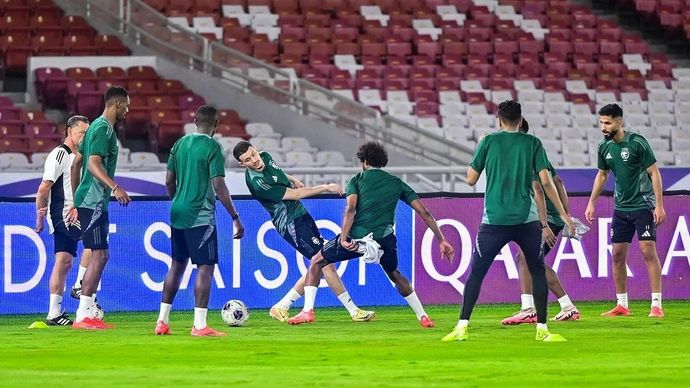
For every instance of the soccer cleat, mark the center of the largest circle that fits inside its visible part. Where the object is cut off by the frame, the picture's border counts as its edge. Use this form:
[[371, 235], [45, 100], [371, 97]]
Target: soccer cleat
[[279, 314], [162, 329], [60, 320], [528, 315], [656, 312], [616, 312], [567, 314], [207, 332], [76, 293], [89, 324], [106, 325], [546, 336], [458, 334], [302, 317], [363, 315], [425, 321]]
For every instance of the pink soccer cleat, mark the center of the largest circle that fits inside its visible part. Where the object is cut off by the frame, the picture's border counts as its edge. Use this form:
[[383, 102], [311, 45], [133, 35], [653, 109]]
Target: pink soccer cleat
[[90, 324], [528, 315], [302, 317], [567, 314], [617, 312], [656, 312], [426, 322], [207, 332], [162, 329]]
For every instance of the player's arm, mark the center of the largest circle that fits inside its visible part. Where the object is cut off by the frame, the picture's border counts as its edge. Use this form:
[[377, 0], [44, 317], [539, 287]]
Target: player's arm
[[42, 203], [597, 188], [562, 193], [171, 183], [430, 221], [306, 192], [546, 232], [223, 194], [296, 183], [348, 220], [96, 169], [75, 175], [552, 195], [659, 212], [472, 176]]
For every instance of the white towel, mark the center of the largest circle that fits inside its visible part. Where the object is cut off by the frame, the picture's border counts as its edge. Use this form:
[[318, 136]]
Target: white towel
[[371, 250]]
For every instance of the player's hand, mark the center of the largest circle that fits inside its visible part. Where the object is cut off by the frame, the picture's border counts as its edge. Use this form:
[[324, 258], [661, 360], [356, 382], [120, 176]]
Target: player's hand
[[72, 216], [239, 229], [548, 236], [39, 224], [589, 213], [570, 225], [334, 188], [348, 244], [296, 183], [122, 196], [659, 215], [447, 250]]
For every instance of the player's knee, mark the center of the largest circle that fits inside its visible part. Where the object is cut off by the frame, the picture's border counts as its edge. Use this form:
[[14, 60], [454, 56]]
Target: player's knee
[[327, 268], [648, 249]]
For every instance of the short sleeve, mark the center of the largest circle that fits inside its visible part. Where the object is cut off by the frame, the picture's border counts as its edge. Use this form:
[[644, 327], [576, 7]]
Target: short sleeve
[[171, 158], [647, 158], [216, 166], [407, 195], [55, 165], [479, 159], [352, 186], [601, 159], [99, 141], [541, 161], [263, 190]]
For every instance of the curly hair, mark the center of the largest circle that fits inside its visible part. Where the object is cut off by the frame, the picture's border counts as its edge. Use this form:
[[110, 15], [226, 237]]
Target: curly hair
[[373, 153]]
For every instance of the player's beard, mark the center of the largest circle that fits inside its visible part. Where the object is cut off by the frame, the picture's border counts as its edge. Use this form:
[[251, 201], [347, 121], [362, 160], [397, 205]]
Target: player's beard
[[610, 135]]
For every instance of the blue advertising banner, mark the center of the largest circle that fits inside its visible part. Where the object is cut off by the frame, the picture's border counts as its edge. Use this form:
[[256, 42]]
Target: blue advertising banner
[[258, 269]]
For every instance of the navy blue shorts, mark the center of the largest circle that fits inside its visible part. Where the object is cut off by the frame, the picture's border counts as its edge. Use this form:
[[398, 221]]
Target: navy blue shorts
[[199, 243], [303, 234], [95, 225], [65, 243], [625, 224], [333, 252]]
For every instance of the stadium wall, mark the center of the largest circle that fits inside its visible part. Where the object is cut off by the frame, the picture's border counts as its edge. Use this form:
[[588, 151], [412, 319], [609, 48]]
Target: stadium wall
[[261, 267]]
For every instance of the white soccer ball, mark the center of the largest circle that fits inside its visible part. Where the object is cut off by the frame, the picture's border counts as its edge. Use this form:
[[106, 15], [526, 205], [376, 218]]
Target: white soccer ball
[[234, 313], [98, 312]]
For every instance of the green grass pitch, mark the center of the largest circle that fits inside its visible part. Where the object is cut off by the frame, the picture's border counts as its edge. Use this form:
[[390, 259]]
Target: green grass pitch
[[393, 350]]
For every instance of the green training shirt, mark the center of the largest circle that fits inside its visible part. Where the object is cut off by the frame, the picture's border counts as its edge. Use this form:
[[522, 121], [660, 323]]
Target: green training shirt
[[377, 193], [100, 139], [195, 159], [511, 159], [629, 161]]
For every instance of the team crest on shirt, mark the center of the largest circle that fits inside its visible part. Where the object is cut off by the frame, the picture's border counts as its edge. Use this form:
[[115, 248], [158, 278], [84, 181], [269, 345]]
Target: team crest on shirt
[[315, 240], [625, 154], [273, 164]]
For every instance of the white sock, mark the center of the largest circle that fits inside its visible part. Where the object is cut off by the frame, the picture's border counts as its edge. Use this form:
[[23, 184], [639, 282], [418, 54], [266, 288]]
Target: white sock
[[656, 299], [527, 301], [288, 299], [80, 276], [54, 308], [84, 310], [416, 305], [463, 323], [564, 301], [542, 326], [199, 317], [164, 315], [309, 298], [345, 299], [622, 299]]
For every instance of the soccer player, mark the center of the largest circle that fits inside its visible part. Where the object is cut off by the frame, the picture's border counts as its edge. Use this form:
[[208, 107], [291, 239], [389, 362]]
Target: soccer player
[[279, 193], [372, 197], [551, 226], [196, 175], [99, 153], [511, 159], [54, 199], [638, 199]]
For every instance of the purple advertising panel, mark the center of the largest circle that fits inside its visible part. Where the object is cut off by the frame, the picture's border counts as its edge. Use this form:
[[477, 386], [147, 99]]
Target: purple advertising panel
[[583, 266]]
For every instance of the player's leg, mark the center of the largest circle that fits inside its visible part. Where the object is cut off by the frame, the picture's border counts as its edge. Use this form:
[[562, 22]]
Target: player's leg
[[527, 313], [203, 244], [568, 310], [335, 283], [83, 265], [65, 249], [180, 258], [622, 231], [490, 241], [646, 233]]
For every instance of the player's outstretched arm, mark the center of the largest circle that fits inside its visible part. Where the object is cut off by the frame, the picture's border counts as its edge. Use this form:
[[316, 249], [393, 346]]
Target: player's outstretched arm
[[657, 186], [96, 169], [223, 195], [306, 192], [546, 232], [42, 204], [597, 188], [296, 183], [552, 195], [446, 249]]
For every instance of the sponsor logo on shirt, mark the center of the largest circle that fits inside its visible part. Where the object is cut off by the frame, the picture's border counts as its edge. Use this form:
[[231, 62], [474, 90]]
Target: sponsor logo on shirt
[[275, 178], [625, 154]]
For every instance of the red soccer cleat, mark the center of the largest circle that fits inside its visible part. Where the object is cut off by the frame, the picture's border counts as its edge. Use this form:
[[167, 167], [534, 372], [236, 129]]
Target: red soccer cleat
[[617, 312], [162, 329], [302, 317], [426, 322], [528, 315], [90, 324], [207, 332], [106, 325], [656, 312]]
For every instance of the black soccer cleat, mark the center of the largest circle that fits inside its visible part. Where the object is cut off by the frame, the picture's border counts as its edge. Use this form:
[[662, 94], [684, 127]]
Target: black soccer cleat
[[61, 320], [76, 292]]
